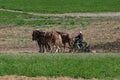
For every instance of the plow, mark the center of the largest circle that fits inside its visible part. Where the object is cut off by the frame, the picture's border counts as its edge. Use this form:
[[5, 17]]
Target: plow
[[81, 47]]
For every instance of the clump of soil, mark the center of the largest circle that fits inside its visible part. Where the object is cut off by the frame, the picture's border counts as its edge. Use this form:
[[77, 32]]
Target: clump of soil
[[108, 47], [103, 36]]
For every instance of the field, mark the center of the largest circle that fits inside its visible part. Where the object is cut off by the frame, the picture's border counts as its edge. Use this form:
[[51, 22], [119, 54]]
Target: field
[[19, 55], [99, 66], [16, 30], [23, 59], [62, 6]]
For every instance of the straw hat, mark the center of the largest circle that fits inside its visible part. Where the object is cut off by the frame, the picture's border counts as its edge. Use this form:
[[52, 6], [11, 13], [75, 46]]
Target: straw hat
[[80, 32]]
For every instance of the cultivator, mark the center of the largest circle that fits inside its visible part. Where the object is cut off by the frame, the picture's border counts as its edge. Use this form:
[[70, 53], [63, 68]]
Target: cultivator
[[81, 47]]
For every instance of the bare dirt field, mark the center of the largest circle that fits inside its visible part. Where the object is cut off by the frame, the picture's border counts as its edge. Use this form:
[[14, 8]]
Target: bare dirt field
[[39, 78], [102, 36]]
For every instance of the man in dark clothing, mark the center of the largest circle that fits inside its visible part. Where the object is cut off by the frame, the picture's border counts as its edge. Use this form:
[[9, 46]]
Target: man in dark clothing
[[79, 39]]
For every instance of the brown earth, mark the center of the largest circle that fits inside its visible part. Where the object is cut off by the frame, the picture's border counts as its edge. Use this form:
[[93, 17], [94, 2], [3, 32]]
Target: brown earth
[[102, 36], [38, 78]]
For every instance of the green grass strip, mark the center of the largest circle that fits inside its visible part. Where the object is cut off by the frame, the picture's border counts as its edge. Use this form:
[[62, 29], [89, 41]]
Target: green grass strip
[[62, 6], [55, 65]]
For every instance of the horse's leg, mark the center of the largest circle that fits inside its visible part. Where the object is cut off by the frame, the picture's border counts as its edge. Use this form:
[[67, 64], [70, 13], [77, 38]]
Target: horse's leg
[[41, 48], [48, 48], [57, 49], [39, 44], [44, 49], [70, 45], [52, 49], [64, 46]]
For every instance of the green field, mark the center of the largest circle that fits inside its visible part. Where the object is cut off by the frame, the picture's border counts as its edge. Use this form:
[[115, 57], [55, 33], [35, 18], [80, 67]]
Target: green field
[[62, 6], [16, 37], [18, 19], [67, 22], [101, 66]]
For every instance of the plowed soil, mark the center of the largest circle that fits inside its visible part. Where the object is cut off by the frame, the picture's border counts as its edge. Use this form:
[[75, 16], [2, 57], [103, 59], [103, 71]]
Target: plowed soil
[[39, 78], [102, 37]]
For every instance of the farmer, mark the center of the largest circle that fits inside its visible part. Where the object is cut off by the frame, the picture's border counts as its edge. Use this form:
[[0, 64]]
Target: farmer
[[79, 39]]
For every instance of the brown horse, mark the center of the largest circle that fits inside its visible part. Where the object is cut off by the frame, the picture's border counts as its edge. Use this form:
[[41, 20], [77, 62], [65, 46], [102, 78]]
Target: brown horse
[[54, 40], [66, 38], [39, 36]]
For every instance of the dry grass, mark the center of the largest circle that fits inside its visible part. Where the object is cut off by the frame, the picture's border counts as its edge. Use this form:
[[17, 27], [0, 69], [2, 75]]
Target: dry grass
[[18, 39], [14, 39], [104, 32], [14, 77], [100, 32]]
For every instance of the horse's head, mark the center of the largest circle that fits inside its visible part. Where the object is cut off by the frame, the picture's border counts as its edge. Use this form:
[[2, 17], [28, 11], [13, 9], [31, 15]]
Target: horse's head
[[37, 34]]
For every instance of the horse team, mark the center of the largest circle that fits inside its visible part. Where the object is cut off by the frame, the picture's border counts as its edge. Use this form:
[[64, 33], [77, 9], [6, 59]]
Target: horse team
[[51, 41]]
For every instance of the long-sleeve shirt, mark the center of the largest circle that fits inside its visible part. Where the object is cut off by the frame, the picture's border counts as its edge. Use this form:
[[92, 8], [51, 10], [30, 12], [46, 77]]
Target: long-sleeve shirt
[[79, 37]]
